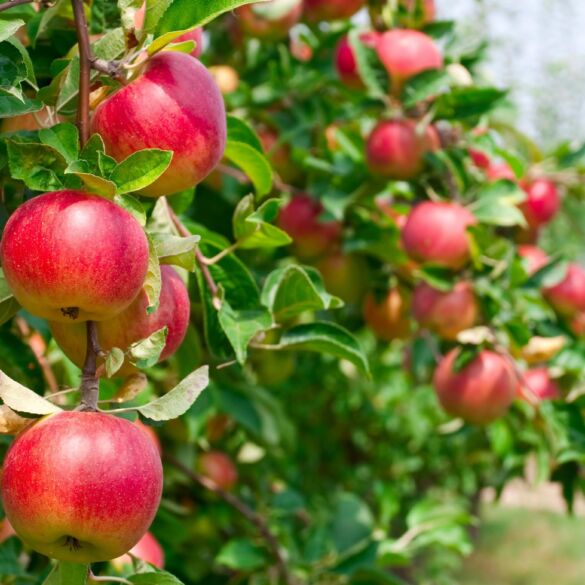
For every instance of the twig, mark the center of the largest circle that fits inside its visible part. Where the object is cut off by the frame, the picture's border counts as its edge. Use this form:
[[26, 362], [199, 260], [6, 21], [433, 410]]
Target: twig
[[85, 60], [253, 517], [90, 385], [11, 3]]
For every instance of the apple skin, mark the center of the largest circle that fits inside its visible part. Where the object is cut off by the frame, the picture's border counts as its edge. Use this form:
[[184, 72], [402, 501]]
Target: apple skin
[[500, 171], [481, 392], [534, 256], [72, 256], [300, 220], [480, 159], [389, 318], [541, 384], [133, 324], [151, 433], [406, 53], [435, 232], [395, 149], [542, 202], [81, 487], [219, 468], [174, 105], [445, 313], [193, 35], [318, 10], [568, 296], [345, 275], [148, 549], [345, 60], [270, 21]]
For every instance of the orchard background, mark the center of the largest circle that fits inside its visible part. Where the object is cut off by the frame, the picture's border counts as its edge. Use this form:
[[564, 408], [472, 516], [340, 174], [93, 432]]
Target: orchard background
[[304, 256]]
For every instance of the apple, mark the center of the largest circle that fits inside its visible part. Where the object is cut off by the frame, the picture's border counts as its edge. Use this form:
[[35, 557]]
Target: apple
[[420, 12], [151, 433], [445, 313], [500, 171], [301, 50], [219, 468], [568, 296], [133, 324], [81, 487], [389, 317], [346, 62], [279, 154], [396, 149], [479, 393], [406, 53], [72, 256], [148, 549], [270, 21], [540, 383], [542, 202], [311, 237], [436, 233], [195, 35], [345, 275], [173, 105], [317, 10], [480, 159], [226, 77], [6, 530], [535, 257]]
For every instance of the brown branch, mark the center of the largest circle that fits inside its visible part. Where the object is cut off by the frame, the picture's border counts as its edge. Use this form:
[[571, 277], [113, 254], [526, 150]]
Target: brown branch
[[11, 3], [85, 61], [253, 517], [90, 385]]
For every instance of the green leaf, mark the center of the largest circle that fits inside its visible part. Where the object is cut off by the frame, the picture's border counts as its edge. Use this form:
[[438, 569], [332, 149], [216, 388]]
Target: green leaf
[[176, 250], [21, 399], [140, 170], [424, 86], [153, 281], [93, 183], [253, 228], [114, 361], [163, 41], [497, 202], [239, 131], [39, 166], [64, 138], [155, 578], [241, 555], [73, 573], [9, 27], [146, 352], [177, 401], [371, 71], [8, 304], [352, 523], [293, 290], [469, 102], [253, 163], [133, 206], [12, 106]]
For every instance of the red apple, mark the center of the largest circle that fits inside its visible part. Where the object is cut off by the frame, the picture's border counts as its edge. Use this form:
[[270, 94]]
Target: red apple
[[396, 149], [534, 256], [406, 53], [270, 21], [317, 10], [71, 256], [133, 324], [81, 487], [500, 171], [436, 233], [445, 313], [300, 220], [148, 550], [540, 383], [542, 202], [345, 275], [480, 159], [479, 393], [151, 433], [389, 317], [568, 296], [174, 105], [193, 35], [345, 59], [219, 468]]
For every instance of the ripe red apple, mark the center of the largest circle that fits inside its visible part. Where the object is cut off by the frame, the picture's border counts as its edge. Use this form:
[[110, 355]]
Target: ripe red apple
[[151, 433], [345, 59], [174, 105], [345, 275], [193, 35], [445, 313], [406, 53], [389, 317], [148, 549], [500, 171], [133, 324], [81, 487], [479, 393], [300, 220], [436, 233], [534, 256], [219, 468], [71, 256], [540, 383], [568, 296], [396, 149], [480, 159], [317, 10], [416, 20], [542, 202], [270, 21]]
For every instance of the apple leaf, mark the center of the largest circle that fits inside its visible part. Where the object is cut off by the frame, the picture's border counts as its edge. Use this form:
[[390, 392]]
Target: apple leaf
[[155, 578], [241, 555], [178, 400], [10, 422], [468, 102], [239, 131], [253, 163], [146, 352], [176, 250], [140, 169], [8, 304], [497, 202], [93, 183], [13, 106], [64, 138], [424, 86], [114, 361], [9, 27], [153, 281], [253, 228], [39, 166], [21, 399], [133, 385], [133, 206], [72, 574]]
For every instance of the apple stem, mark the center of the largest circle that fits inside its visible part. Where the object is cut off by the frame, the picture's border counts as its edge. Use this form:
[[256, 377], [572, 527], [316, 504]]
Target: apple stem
[[90, 386]]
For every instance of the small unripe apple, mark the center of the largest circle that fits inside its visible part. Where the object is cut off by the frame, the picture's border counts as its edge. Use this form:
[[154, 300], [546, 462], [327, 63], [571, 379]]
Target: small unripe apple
[[317, 10], [345, 275], [500, 171], [445, 313], [389, 317], [133, 324], [71, 256], [479, 393], [270, 21], [219, 468], [226, 77], [535, 257], [406, 53], [81, 487], [396, 148], [542, 202], [173, 105], [346, 62], [540, 384], [568, 296], [311, 237], [436, 233], [148, 549], [195, 35]]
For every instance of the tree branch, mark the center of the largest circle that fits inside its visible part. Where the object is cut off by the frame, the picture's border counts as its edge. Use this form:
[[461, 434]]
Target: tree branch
[[253, 517], [11, 3], [90, 385]]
